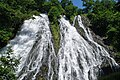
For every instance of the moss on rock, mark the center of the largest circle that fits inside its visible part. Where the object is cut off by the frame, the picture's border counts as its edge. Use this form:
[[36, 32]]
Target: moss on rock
[[56, 35]]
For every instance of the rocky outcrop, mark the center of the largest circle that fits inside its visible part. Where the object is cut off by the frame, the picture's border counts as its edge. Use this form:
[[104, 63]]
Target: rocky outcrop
[[106, 68], [96, 38]]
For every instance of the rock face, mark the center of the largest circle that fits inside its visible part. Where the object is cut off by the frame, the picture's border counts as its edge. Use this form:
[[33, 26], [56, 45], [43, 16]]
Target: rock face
[[96, 38], [79, 57], [106, 68]]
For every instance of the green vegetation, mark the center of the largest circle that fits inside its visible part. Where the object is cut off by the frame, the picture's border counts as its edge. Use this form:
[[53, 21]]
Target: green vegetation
[[104, 16], [7, 65], [70, 9], [105, 19], [12, 15], [14, 12], [54, 14], [56, 36]]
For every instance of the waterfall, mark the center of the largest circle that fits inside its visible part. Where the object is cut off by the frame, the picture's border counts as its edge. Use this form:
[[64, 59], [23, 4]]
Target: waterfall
[[34, 48], [77, 58]]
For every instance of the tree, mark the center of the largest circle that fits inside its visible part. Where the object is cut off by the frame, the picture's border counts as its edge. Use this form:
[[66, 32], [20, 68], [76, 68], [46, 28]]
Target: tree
[[105, 20], [100, 16], [113, 32], [53, 14], [12, 15], [64, 3], [46, 7], [7, 65], [88, 5], [70, 11], [39, 3], [55, 10]]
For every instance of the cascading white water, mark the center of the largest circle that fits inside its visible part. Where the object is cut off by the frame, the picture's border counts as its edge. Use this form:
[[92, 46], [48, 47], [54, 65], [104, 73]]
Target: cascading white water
[[34, 48], [77, 59]]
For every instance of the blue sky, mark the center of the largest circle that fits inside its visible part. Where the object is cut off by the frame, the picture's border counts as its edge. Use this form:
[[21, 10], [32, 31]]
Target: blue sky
[[77, 3]]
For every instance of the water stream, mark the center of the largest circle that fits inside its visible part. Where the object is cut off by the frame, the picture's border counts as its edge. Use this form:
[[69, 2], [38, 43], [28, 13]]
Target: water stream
[[77, 58]]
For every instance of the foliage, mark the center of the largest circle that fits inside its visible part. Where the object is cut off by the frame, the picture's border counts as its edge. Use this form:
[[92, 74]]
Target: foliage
[[12, 15], [7, 65], [79, 11], [56, 36], [46, 7], [54, 10], [54, 14], [88, 5], [14, 12], [71, 12], [70, 9], [65, 3], [103, 14], [105, 20]]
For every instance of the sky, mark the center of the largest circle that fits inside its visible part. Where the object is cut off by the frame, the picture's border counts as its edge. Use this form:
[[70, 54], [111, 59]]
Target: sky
[[77, 3]]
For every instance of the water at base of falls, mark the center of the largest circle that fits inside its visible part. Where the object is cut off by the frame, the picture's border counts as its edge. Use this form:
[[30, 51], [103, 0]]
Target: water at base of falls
[[77, 58]]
